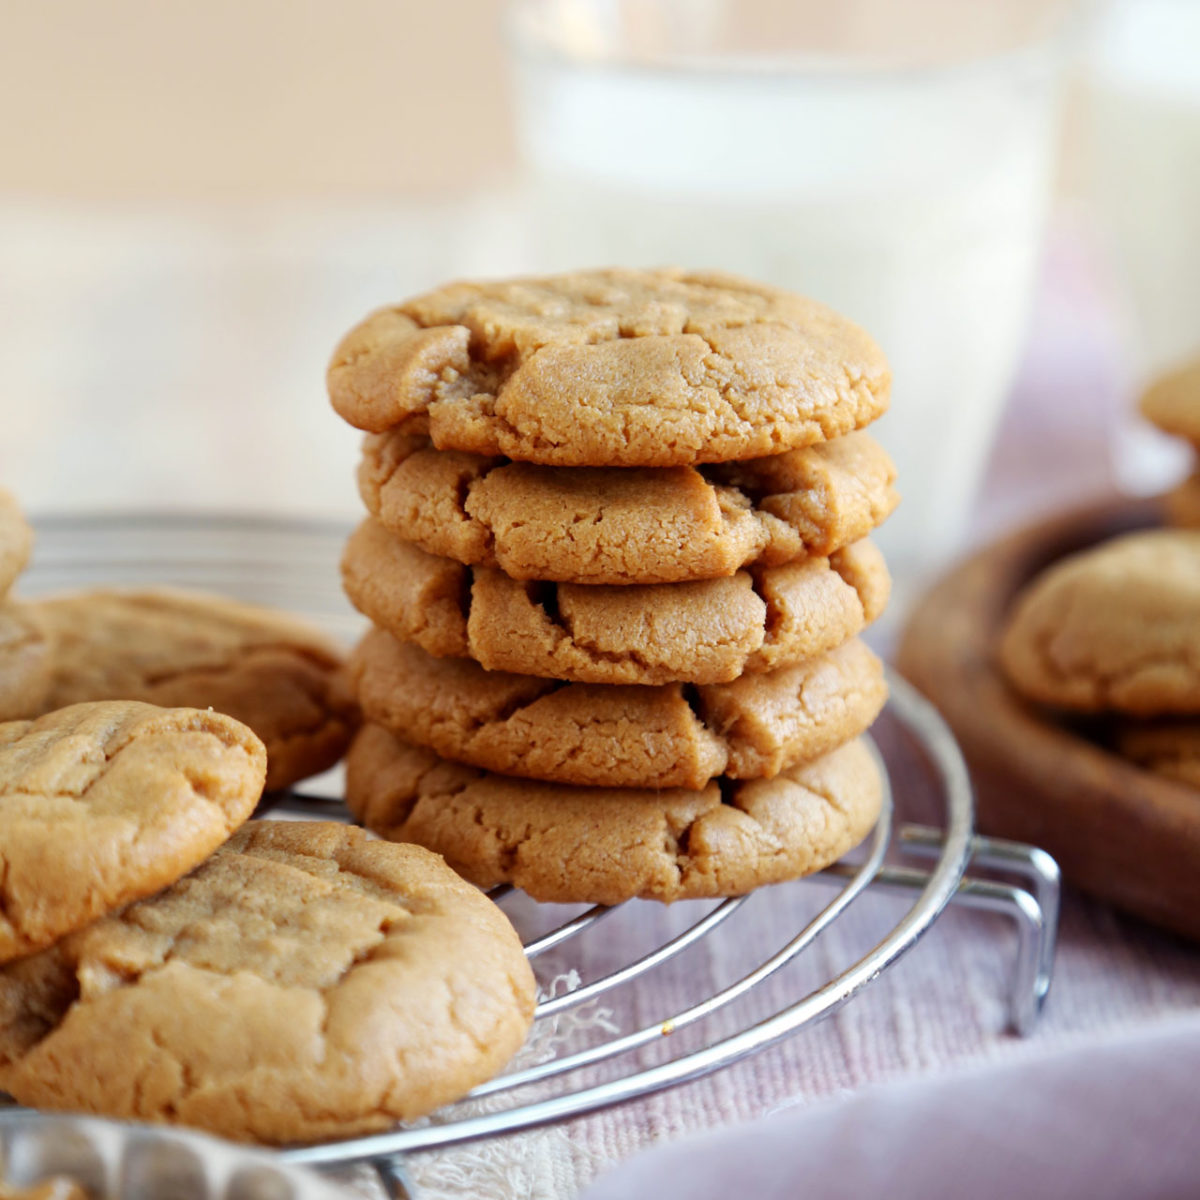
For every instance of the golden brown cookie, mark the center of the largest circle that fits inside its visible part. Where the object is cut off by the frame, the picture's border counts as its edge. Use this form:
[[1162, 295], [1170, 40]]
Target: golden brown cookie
[[602, 846], [24, 661], [1170, 748], [307, 981], [101, 804], [616, 368], [178, 648], [710, 631], [1183, 503], [1114, 627], [57, 1188], [1173, 402], [16, 541], [599, 735], [612, 525]]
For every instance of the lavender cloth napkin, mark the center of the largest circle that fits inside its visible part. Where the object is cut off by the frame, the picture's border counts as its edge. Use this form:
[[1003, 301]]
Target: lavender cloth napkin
[[1106, 1120]]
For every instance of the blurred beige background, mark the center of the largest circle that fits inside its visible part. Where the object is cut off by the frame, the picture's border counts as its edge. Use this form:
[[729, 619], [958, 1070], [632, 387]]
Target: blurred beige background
[[230, 99]]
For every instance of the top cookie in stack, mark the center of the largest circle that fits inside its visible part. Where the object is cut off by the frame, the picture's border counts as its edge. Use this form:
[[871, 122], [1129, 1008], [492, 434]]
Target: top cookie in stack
[[617, 542]]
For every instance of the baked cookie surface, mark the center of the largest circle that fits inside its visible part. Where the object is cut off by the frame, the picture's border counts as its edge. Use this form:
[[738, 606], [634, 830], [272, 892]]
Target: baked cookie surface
[[603, 846], [308, 981], [1169, 748], [710, 631], [177, 648], [1114, 627], [1173, 403], [16, 541], [24, 661], [600, 735], [626, 525], [101, 804], [613, 368], [1183, 503]]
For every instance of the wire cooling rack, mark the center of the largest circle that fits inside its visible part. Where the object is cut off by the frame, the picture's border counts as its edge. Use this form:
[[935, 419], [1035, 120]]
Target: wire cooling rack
[[294, 565]]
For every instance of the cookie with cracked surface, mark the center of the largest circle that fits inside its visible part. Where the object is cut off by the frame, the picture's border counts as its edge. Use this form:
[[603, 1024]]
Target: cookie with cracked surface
[[1173, 402], [601, 735], [101, 804], [178, 648], [24, 661], [308, 981], [1183, 503], [16, 540], [1169, 748], [709, 631], [1113, 627], [612, 368], [603, 846], [613, 525]]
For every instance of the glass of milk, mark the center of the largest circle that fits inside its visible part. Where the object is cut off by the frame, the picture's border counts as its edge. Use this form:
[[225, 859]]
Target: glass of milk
[[895, 164]]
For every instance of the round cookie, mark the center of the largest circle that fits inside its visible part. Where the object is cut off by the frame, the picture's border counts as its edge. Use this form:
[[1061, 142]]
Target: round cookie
[[16, 541], [595, 846], [101, 804], [1114, 627], [1173, 402], [1183, 503], [177, 648], [614, 368], [600, 735], [24, 661], [1169, 748], [611, 525], [308, 981], [710, 631]]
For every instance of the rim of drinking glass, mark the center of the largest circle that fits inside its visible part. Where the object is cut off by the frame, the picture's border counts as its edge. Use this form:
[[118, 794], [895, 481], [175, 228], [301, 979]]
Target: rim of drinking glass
[[1049, 49]]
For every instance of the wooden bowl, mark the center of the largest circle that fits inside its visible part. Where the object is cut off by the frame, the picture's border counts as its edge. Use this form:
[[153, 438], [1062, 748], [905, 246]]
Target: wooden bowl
[[1118, 832]]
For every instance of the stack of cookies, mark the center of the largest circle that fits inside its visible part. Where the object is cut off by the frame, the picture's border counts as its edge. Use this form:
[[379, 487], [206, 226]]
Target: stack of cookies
[[617, 569], [1173, 404]]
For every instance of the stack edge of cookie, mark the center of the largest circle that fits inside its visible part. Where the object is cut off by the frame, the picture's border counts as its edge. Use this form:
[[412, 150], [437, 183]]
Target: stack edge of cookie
[[617, 560], [1173, 404]]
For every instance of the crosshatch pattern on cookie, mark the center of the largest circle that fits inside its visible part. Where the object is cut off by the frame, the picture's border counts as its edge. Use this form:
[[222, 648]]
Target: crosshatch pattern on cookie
[[626, 525], [103, 803], [308, 981], [173, 647], [612, 368], [709, 631], [601, 735], [565, 844]]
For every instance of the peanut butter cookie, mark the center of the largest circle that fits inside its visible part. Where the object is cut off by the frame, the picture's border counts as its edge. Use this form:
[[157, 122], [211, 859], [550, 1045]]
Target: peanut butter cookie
[[710, 631], [101, 804], [16, 541], [1169, 748], [603, 846], [611, 525], [178, 648], [1173, 403], [1114, 627], [600, 735], [308, 981], [24, 661], [1183, 503], [616, 368]]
